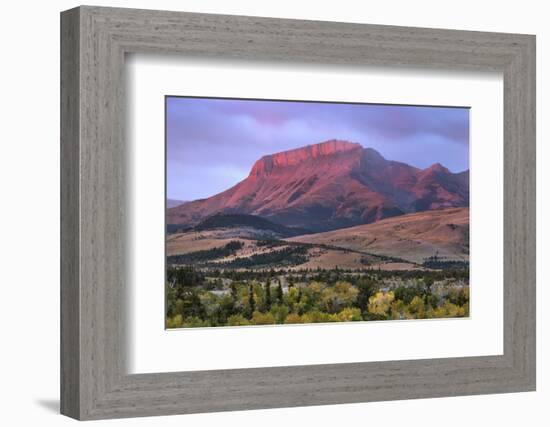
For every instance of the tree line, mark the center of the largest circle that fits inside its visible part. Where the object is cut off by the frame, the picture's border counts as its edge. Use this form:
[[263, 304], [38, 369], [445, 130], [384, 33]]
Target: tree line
[[262, 300]]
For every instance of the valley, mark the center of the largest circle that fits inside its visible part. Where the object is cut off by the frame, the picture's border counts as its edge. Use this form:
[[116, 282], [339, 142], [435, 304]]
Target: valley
[[326, 233]]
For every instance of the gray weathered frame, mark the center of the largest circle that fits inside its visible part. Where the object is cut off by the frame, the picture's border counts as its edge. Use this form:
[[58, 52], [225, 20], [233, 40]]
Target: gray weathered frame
[[94, 41]]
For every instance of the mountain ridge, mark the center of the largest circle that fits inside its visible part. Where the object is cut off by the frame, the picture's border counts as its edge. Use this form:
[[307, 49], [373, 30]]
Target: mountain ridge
[[297, 155], [330, 185]]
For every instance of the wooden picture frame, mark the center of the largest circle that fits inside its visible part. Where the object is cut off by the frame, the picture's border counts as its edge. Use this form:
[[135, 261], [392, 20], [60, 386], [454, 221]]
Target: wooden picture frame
[[94, 382]]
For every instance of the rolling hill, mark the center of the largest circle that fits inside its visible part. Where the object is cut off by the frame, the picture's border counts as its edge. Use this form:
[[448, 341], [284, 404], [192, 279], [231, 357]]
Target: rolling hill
[[233, 221], [413, 237], [397, 243]]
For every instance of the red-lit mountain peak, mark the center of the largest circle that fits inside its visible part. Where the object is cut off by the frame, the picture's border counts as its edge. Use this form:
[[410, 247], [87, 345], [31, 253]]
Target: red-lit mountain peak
[[331, 185]]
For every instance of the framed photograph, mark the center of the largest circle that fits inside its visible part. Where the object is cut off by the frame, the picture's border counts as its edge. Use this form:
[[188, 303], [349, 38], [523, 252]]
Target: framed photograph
[[325, 232], [262, 213]]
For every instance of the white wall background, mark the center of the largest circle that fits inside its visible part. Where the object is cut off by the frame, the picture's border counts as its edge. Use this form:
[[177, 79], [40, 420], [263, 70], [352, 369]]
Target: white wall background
[[29, 216]]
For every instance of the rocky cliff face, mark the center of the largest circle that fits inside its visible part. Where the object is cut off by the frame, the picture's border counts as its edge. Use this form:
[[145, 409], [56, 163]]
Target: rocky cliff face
[[290, 158], [331, 185]]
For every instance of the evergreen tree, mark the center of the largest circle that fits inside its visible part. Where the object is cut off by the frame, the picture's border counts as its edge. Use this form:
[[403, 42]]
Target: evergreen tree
[[234, 299], [280, 293], [428, 281], [267, 295], [290, 282], [251, 301], [366, 290]]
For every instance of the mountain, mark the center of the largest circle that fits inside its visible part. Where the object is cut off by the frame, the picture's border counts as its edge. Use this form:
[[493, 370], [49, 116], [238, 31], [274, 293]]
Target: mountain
[[331, 185], [413, 237], [172, 203]]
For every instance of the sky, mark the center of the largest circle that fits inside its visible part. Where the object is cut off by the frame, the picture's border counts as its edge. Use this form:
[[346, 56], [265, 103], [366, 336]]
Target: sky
[[212, 143]]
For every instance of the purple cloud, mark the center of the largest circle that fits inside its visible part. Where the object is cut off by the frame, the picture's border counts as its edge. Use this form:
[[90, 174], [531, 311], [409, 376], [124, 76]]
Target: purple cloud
[[212, 143]]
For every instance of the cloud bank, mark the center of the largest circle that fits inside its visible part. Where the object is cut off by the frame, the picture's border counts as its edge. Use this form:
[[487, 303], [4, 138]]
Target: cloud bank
[[213, 143]]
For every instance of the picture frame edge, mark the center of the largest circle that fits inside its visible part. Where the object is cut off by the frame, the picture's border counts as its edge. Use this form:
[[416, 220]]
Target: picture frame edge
[[93, 382]]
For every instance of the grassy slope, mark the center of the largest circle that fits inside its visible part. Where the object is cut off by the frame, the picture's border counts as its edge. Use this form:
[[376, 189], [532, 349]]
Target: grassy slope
[[412, 237]]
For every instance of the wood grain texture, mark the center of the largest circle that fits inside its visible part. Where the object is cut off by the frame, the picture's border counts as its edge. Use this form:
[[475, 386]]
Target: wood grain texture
[[70, 221], [94, 272]]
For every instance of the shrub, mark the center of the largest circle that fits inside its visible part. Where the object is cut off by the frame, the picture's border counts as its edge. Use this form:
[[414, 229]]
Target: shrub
[[195, 322], [407, 293], [417, 307], [459, 296], [342, 294], [349, 315], [293, 318], [448, 309], [399, 310], [279, 313], [174, 322], [262, 318], [237, 320], [380, 303], [316, 316]]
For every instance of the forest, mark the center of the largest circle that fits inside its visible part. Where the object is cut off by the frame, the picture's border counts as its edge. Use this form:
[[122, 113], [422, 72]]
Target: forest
[[225, 297]]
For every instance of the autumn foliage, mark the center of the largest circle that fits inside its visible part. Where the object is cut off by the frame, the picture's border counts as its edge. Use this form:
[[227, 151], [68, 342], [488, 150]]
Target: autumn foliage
[[199, 302]]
